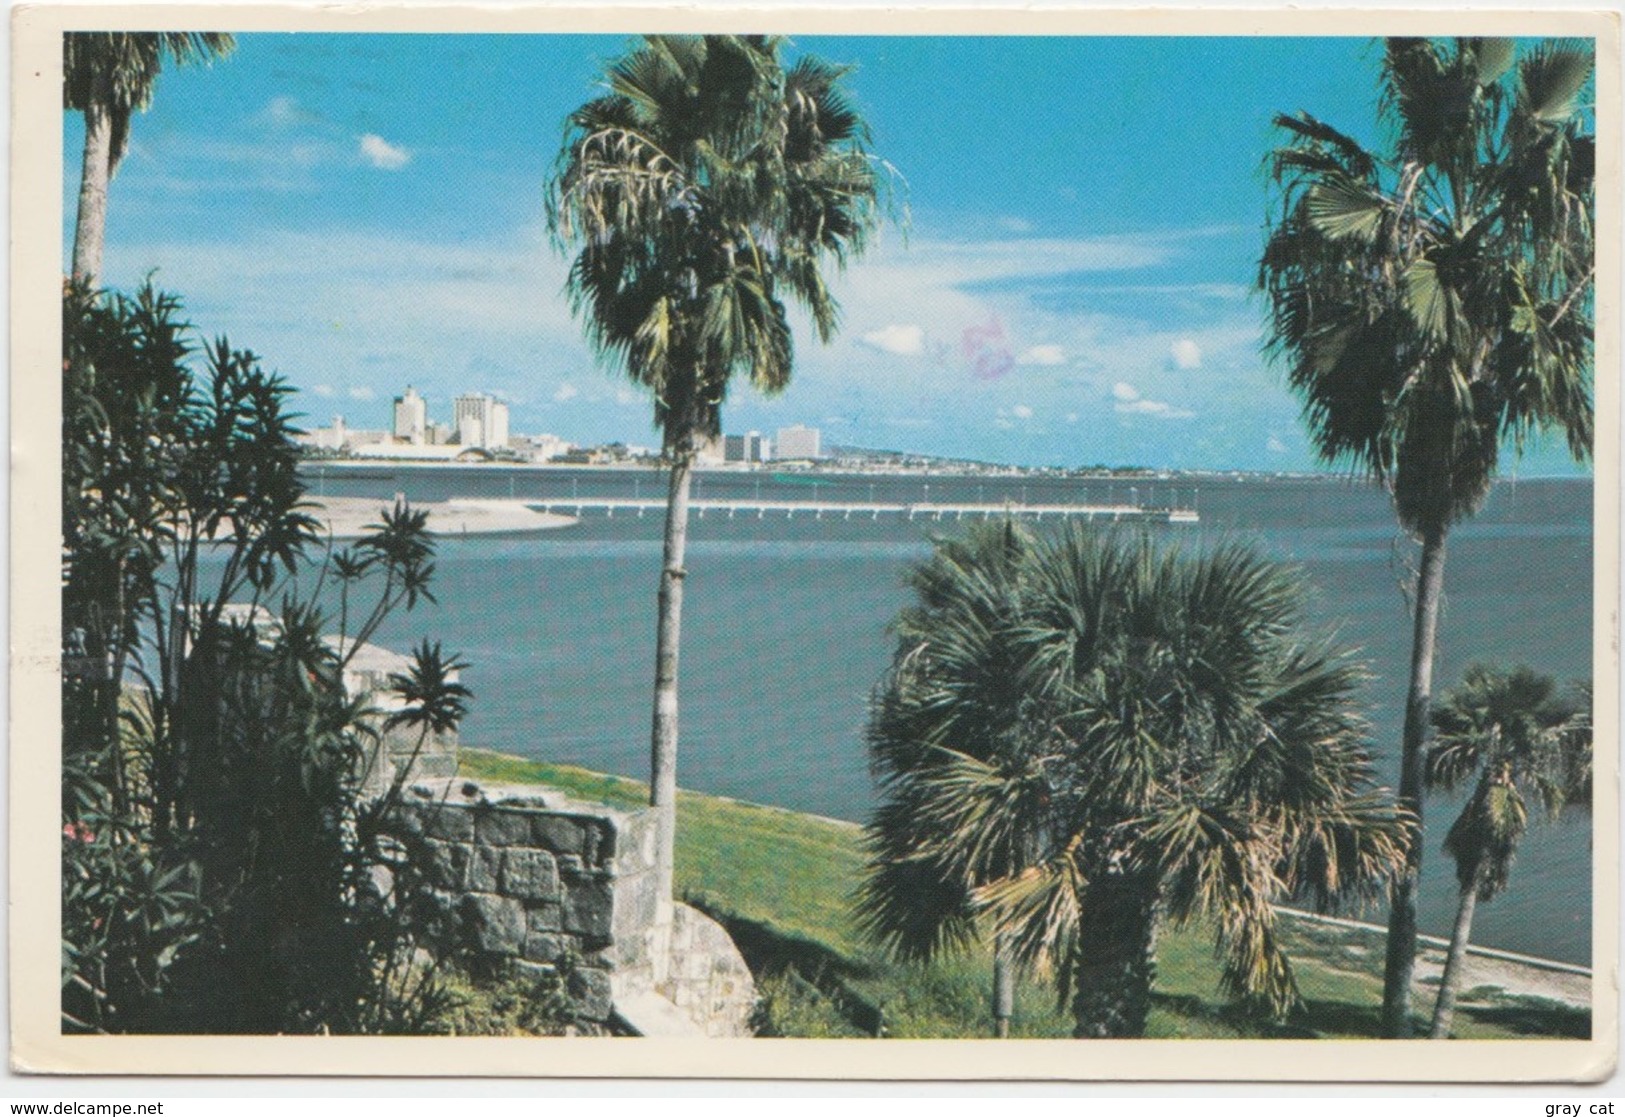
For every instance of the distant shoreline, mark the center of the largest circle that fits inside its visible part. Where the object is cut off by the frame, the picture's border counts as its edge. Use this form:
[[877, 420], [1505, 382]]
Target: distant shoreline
[[389, 467]]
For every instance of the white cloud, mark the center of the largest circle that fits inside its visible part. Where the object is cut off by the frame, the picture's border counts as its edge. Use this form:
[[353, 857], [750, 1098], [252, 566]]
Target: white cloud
[[1022, 411], [1072, 416], [392, 294], [626, 397], [383, 154], [1042, 355], [1014, 224], [566, 392], [905, 341], [362, 393], [1185, 354], [283, 111], [1125, 392], [1275, 445], [323, 390], [1153, 407]]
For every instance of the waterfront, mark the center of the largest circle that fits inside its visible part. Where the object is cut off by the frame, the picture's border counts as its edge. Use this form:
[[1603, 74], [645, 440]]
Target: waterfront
[[784, 630]]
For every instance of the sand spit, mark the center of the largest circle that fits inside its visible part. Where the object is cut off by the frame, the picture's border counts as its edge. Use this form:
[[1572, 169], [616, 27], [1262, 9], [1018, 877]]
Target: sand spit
[[349, 517]]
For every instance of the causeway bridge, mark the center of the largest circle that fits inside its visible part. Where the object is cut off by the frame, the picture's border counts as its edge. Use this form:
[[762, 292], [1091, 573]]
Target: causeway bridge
[[847, 510]]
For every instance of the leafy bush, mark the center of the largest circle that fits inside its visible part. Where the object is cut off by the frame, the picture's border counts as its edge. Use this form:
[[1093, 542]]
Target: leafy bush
[[222, 870], [514, 1001]]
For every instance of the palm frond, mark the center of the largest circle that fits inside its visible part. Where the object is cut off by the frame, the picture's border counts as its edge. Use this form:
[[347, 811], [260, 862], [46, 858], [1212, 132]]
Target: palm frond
[[707, 185]]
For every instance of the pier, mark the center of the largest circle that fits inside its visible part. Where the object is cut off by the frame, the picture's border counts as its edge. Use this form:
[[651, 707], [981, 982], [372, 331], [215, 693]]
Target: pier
[[845, 510]]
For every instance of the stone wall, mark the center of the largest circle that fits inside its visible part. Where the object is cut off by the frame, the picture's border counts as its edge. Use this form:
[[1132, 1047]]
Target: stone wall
[[523, 875]]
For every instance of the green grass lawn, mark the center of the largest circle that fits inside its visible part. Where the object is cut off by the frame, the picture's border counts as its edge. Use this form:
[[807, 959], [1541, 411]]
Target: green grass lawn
[[781, 882]]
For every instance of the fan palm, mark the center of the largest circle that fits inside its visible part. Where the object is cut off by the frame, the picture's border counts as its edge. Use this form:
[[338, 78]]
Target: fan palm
[[1433, 303], [1083, 737], [108, 76], [705, 187], [1524, 741]]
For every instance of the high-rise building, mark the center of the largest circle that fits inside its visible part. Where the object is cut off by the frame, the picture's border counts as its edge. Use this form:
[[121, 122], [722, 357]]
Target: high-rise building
[[496, 431], [411, 416], [750, 447], [481, 421], [798, 442]]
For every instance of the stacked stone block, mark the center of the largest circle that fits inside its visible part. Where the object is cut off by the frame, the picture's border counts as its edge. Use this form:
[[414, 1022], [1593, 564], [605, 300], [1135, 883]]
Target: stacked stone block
[[522, 876]]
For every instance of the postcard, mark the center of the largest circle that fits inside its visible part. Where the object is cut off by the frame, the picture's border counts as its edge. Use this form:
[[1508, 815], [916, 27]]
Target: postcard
[[683, 542]]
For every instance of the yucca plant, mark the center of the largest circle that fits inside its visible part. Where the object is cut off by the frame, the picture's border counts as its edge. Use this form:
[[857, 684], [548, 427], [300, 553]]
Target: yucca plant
[[216, 877], [434, 701]]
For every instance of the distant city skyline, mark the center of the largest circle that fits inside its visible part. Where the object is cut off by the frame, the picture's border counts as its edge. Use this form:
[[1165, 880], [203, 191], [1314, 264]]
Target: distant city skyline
[[365, 211], [480, 421]]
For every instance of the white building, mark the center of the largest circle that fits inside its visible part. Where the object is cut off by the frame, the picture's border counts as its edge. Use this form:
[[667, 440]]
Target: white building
[[411, 417], [481, 421], [542, 447], [327, 438], [798, 442]]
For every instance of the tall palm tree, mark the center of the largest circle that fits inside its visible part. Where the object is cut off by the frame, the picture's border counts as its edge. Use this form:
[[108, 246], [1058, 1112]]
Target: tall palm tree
[[1432, 303], [1086, 736], [108, 75], [1524, 741], [707, 185]]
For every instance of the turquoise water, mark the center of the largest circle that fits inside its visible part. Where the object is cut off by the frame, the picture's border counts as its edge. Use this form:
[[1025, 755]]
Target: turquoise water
[[784, 631]]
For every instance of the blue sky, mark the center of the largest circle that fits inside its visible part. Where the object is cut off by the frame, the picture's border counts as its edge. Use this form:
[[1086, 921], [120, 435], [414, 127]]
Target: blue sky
[[365, 211]]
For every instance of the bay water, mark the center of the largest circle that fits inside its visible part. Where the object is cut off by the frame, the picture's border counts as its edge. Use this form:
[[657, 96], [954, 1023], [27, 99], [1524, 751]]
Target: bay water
[[785, 627]]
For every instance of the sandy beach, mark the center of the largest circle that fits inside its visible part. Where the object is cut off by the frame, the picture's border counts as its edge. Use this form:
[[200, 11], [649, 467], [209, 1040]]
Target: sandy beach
[[350, 517]]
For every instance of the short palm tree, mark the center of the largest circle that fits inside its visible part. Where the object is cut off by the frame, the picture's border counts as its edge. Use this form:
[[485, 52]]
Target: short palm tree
[[433, 700], [108, 75], [1525, 742], [1084, 737], [918, 907], [707, 186], [1434, 302]]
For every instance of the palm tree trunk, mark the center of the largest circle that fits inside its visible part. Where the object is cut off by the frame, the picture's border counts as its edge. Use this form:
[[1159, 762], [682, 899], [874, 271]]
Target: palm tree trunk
[[1115, 958], [1444, 1010], [1401, 962], [1004, 986], [663, 736], [94, 175]]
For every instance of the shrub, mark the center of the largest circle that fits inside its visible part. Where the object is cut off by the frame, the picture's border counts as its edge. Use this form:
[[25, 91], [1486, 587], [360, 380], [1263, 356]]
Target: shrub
[[222, 871]]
